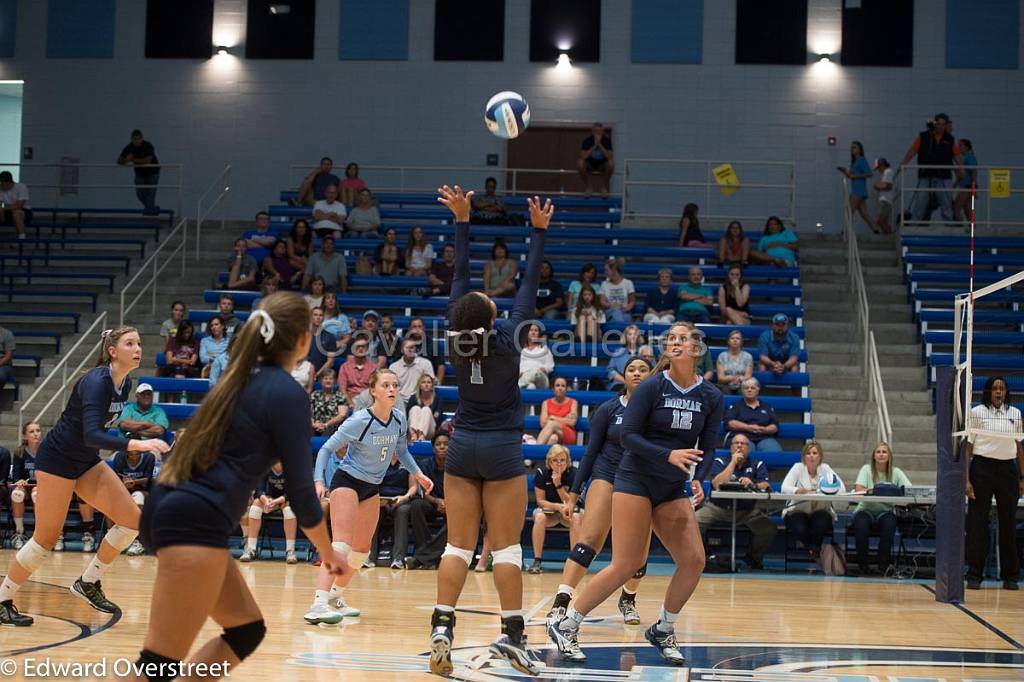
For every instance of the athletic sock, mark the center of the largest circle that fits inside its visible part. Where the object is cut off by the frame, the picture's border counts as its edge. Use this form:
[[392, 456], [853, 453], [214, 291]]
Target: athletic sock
[[8, 589], [250, 544], [667, 622], [19, 525], [568, 590], [572, 621], [321, 597], [95, 570], [289, 545], [337, 592]]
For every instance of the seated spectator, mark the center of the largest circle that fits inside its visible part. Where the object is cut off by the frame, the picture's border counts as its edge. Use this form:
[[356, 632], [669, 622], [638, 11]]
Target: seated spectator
[[169, 327], [268, 286], [778, 348], [425, 348], [270, 497], [646, 353], [335, 322], [397, 490], [596, 160], [351, 185], [23, 479], [279, 266], [390, 345], [558, 416], [364, 218], [329, 215], [587, 315], [220, 363], [778, 246], [135, 470], [142, 419], [329, 265], [243, 270], [262, 237], [631, 342], [551, 486], [689, 227], [327, 405], [705, 367], [372, 330], [314, 186], [661, 300], [734, 246], [442, 272], [617, 294], [500, 272], [488, 208], [214, 343], [300, 244], [753, 474], [876, 516], [431, 506], [424, 409], [410, 369], [754, 419], [181, 353], [734, 298], [695, 298], [387, 258], [734, 365], [550, 299], [304, 373], [419, 253], [535, 360], [315, 297], [588, 275], [354, 375], [812, 520], [226, 312], [14, 208]]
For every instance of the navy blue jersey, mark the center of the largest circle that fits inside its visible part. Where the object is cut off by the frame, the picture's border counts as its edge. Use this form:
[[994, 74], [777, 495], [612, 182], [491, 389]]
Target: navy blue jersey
[[663, 416], [271, 422], [489, 389], [81, 431], [143, 469], [605, 439], [436, 474], [274, 485], [24, 468]]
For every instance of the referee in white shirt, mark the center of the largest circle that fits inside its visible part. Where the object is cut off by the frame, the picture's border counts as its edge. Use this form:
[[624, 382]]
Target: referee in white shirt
[[996, 469]]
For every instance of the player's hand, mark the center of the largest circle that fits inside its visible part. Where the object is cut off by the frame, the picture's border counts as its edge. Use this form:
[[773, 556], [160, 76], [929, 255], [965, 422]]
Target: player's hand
[[424, 482], [540, 216], [335, 562], [745, 481], [698, 492], [321, 489], [685, 458], [573, 499], [457, 202], [154, 445], [970, 490], [441, 508]]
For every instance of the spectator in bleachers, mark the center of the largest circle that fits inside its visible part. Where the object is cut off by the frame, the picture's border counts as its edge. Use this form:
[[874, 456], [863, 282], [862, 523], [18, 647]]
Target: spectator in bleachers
[[734, 365], [315, 297], [689, 227], [617, 294], [734, 246], [740, 468], [695, 298], [23, 479], [268, 286], [810, 521], [220, 363], [335, 321], [935, 146], [135, 469], [14, 208], [632, 340], [214, 343], [351, 185], [535, 360], [424, 410], [661, 300], [588, 276], [387, 258], [142, 419], [705, 366], [858, 173], [169, 327], [596, 160], [646, 353], [354, 375], [5, 477], [963, 195], [140, 154], [886, 189], [304, 373], [397, 490], [226, 312], [327, 405], [410, 369], [428, 508], [277, 265], [378, 344], [558, 416], [419, 253], [262, 237], [551, 486], [329, 265], [181, 353], [329, 214], [778, 246], [242, 268], [778, 348], [500, 271], [869, 516], [390, 344], [587, 315], [7, 348], [550, 299], [364, 218], [300, 244], [271, 497], [734, 298], [425, 348], [753, 418], [442, 272], [488, 208], [314, 185]]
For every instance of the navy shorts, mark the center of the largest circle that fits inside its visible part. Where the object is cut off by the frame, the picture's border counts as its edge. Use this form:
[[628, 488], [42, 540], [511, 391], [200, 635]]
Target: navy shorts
[[485, 455], [178, 517], [57, 465], [604, 470], [657, 491], [364, 490]]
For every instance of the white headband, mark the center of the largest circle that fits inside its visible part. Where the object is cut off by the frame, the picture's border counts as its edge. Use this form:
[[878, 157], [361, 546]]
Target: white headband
[[478, 330], [266, 326]]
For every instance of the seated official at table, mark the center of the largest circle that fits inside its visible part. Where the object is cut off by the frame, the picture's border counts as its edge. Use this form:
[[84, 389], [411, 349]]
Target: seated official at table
[[876, 516], [810, 520]]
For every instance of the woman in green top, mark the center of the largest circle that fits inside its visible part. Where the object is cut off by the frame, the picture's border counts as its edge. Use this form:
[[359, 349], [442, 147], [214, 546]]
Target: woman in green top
[[876, 515], [500, 272], [778, 246]]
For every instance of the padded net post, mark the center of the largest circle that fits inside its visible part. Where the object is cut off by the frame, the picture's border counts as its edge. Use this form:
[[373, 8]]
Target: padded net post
[[950, 507]]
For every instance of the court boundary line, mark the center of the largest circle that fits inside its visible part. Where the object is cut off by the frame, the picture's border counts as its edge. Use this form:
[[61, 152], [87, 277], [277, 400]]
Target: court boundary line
[[981, 621], [85, 631]]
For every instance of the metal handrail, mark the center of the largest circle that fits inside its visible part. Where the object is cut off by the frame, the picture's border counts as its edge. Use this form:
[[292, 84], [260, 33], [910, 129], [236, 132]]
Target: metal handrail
[[158, 262], [981, 190], [877, 393], [222, 181], [62, 366]]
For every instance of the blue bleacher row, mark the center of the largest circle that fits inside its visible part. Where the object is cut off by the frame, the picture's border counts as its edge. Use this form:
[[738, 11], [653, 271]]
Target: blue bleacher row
[[512, 201]]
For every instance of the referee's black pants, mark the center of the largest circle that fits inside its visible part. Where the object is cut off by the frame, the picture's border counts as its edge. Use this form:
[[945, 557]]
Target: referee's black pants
[[992, 477]]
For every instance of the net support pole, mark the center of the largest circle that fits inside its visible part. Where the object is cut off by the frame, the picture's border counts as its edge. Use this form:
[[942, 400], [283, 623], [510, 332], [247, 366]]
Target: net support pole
[[950, 507]]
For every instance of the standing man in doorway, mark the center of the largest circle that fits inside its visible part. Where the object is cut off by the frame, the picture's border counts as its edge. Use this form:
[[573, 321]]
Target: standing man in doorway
[[140, 153], [596, 160]]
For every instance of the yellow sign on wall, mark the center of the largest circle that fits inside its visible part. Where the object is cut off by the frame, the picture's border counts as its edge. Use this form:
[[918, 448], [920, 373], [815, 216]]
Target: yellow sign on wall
[[726, 178], [999, 183]]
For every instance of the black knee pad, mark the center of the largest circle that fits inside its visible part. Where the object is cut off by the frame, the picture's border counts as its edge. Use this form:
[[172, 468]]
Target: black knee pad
[[582, 554], [244, 639], [641, 572], [157, 668]]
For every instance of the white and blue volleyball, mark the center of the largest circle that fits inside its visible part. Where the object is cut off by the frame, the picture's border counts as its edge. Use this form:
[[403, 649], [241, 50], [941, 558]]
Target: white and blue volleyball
[[507, 115], [829, 484]]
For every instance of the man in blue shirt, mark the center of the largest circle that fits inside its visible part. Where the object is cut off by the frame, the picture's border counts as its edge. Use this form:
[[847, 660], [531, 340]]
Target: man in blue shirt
[[661, 300], [739, 468], [779, 347], [142, 419], [324, 347], [695, 298]]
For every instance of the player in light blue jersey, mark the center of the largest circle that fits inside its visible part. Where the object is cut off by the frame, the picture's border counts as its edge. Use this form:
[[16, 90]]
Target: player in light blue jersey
[[373, 436]]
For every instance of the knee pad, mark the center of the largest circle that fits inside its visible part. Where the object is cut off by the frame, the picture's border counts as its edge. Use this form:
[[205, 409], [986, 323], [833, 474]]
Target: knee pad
[[157, 668], [355, 559], [582, 554], [244, 639], [256, 512], [513, 554], [640, 572], [287, 512], [18, 495], [464, 554], [120, 537], [139, 497], [32, 555]]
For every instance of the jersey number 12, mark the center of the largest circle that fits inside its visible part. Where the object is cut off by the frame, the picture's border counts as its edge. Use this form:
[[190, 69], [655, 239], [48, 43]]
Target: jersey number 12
[[682, 420]]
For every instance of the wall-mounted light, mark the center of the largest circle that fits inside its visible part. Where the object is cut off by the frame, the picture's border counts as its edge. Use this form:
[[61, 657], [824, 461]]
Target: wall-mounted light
[[564, 63], [823, 57], [222, 49], [278, 8], [564, 44]]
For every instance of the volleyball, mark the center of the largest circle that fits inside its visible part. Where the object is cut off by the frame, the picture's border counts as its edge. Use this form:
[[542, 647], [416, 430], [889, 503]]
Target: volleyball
[[829, 484], [507, 115]]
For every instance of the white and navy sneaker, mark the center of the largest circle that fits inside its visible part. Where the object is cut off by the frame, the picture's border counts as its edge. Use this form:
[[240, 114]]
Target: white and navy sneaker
[[88, 542], [338, 604], [630, 616], [567, 641], [515, 652], [665, 643], [441, 636]]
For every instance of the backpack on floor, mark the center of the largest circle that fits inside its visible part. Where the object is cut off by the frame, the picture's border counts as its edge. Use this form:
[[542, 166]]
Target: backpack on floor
[[832, 559]]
